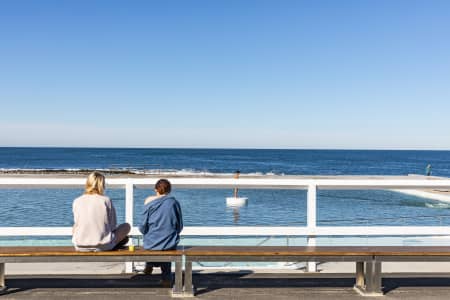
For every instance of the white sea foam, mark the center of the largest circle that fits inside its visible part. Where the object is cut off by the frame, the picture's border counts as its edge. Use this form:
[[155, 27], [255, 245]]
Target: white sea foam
[[138, 171], [441, 205]]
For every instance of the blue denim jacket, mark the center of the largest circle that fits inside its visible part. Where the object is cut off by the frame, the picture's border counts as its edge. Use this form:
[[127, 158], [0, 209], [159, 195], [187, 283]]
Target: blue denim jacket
[[162, 223]]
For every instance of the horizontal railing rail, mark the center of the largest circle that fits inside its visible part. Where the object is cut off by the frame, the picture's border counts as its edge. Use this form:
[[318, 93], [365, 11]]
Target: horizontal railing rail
[[311, 229], [257, 231], [245, 183]]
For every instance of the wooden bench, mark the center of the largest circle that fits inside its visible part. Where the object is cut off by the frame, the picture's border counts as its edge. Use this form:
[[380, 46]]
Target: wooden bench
[[368, 259], [68, 254], [408, 254], [367, 276]]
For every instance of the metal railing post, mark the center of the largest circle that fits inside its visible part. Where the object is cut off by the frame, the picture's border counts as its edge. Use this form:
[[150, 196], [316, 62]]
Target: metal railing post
[[311, 221], [129, 209], [129, 202]]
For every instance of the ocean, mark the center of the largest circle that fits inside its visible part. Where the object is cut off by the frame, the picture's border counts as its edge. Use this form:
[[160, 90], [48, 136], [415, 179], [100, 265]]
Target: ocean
[[248, 161], [52, 207]]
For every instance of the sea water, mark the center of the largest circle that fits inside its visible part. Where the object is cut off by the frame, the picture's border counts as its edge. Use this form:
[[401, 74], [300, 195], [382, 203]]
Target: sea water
[[52, 207]]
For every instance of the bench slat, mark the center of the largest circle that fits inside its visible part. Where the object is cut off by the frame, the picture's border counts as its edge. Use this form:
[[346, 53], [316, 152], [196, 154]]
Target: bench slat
[[237, 250], [276, 251], [317, 250], [411, 250], [70, 251]]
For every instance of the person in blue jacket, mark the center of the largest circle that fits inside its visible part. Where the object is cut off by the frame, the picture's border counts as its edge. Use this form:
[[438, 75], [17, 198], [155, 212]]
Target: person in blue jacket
[[161, 225]]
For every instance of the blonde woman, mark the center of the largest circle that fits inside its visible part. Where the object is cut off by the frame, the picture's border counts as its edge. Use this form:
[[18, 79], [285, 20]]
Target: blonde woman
[[95, 226]]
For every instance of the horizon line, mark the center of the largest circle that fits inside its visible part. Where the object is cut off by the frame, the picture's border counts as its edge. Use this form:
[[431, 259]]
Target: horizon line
[[231, 148]]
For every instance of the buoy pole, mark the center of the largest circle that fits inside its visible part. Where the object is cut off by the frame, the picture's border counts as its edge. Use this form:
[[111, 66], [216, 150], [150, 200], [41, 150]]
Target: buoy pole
[[236, 176]]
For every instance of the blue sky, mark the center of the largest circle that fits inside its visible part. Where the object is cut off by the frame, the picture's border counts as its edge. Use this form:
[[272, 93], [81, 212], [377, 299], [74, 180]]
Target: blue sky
[[233, 74]]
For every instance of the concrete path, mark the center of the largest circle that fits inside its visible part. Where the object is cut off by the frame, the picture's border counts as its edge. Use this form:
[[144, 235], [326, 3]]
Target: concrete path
[[223, 286]]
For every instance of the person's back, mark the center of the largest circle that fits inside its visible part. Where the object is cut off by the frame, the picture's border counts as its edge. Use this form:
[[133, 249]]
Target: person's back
[[95, 225], [95, 220], [161, 225]]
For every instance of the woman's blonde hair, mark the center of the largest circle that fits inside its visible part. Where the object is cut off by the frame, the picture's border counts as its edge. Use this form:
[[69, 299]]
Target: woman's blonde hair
[[95, 183]]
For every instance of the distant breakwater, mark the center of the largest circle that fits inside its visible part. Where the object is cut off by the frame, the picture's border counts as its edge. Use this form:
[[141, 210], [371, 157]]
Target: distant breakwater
[[64, 172]]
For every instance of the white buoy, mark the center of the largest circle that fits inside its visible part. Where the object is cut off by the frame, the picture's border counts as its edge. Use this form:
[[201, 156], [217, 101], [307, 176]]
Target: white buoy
[[236, 201]]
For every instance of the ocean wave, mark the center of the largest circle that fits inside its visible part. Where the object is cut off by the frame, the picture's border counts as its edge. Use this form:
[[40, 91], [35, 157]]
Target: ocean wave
[[55, 170], [440, 205], [136, 171]]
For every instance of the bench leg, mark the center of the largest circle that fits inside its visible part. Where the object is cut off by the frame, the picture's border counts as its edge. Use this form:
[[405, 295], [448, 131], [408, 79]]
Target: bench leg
[[2, 278], [177, 290], [188, 286], [372, 285], [359, 275]]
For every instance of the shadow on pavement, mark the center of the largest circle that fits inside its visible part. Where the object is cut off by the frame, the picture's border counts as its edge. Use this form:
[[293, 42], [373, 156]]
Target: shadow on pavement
[[205, 283], [390, 284], [16, 284], [209, 282]]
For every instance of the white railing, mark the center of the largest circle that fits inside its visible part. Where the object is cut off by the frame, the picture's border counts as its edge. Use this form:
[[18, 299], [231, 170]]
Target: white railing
[[311, 230]]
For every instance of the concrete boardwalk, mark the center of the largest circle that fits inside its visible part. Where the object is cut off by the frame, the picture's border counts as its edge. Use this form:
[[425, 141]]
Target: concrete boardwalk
[[225, 285]]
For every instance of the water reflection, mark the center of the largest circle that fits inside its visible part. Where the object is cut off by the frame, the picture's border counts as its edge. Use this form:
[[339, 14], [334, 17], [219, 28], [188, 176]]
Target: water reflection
[[236, 215]]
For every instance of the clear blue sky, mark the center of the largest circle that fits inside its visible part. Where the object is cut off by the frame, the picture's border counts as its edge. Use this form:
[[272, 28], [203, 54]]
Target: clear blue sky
[[258, 74]]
